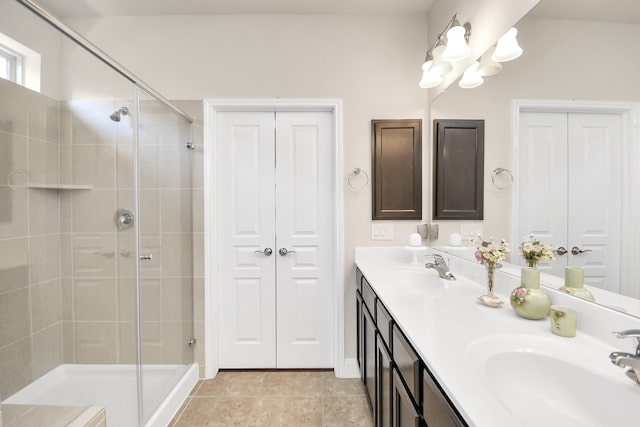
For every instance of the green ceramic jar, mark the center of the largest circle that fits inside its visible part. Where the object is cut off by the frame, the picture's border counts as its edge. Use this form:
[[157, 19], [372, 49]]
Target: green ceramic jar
[[528, 300], [574, 284]]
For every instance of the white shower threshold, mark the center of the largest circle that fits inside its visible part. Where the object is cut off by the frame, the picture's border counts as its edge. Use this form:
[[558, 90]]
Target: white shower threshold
[[113, 387]]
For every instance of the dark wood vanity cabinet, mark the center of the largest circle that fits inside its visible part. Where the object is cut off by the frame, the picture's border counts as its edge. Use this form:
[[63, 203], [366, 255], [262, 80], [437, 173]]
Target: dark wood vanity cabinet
[[400, 388]]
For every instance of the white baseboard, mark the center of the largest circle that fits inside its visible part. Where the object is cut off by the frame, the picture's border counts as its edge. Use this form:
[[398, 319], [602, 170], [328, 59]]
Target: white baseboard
[[351, 369]]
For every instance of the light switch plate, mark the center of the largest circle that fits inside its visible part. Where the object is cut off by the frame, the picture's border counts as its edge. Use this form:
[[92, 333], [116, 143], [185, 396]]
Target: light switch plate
[[381, 231]]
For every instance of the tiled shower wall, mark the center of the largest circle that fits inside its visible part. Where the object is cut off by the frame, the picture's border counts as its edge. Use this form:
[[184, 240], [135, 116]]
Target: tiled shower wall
[[30, 318], [67, 284]]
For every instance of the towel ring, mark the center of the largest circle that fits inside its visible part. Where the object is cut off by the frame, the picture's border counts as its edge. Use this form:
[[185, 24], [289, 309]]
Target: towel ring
[[499, 171], [358, 171]]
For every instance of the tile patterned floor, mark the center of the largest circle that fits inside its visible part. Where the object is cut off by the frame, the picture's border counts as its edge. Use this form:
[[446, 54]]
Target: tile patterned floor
[[275, 399]]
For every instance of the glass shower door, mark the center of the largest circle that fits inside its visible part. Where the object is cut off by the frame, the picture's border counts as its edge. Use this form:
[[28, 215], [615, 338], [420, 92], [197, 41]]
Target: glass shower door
[[166, 250]]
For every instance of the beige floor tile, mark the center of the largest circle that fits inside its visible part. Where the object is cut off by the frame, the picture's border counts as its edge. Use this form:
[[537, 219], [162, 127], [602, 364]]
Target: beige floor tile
[[347, 411], [217, 412], [292, 383], [287, 411], [230, 383], [176, 418], [333, 386]]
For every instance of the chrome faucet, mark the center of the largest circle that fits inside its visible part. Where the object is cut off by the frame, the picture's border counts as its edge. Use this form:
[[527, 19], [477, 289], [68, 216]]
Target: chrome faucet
[[440, 266], [628, 360]]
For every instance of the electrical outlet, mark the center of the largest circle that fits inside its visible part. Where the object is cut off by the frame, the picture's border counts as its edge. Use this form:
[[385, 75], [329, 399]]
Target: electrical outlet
[[381, 231]]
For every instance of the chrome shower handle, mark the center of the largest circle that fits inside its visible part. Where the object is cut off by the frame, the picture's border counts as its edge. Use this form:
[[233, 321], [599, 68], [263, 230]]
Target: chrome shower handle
[[266, 251], [147, 257]]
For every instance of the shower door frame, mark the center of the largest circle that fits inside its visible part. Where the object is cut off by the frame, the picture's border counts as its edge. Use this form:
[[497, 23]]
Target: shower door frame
[[342, 367]]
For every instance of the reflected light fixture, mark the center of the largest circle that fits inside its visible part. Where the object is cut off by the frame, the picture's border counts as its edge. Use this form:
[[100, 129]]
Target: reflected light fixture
[[471, 78], [507, 47], [489, 67], [437, 62]]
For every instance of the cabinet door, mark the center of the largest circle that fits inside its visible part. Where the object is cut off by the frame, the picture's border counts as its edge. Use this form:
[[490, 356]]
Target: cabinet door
[[369, 332], [436, 409], [403, 409], [383, 383], [360, 334]]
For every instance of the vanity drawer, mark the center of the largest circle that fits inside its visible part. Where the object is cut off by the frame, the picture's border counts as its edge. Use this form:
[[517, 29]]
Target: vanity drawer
[[383, 322], [437, 410], [369, 296], [407, 362]]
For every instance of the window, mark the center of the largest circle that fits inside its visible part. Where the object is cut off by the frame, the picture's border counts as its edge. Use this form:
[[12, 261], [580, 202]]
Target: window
[[19, 63], [10, 65]]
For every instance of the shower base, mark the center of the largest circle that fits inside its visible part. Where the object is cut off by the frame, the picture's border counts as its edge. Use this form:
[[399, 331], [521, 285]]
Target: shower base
[[113, 387]]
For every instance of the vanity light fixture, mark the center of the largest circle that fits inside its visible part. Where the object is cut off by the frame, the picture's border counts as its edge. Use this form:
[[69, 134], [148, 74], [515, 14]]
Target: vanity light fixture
[[450, 46], [471, 78], [489, 67], [507, 47]]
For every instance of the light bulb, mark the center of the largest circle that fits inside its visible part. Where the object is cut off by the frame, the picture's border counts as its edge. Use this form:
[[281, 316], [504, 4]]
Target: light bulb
[[471, 78], [507, 47], [457, 48]]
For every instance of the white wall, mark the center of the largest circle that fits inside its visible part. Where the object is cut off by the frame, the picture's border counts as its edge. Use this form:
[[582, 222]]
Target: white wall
[[562, 60], [371, 62]]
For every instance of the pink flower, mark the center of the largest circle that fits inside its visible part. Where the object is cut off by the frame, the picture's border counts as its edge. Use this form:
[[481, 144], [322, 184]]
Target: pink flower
[[479, 256]]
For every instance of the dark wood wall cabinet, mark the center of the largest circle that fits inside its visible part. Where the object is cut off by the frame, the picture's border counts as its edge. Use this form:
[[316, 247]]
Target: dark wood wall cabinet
[[458, 169], [401, 389], [397, 169]]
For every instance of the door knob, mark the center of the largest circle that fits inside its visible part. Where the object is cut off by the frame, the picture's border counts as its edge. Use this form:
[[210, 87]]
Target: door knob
[[576, 250], [285, 251], [266, 251], [561, 250]]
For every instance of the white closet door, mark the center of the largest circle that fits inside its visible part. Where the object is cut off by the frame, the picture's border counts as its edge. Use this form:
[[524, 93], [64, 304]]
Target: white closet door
[[304, 224], [246, 186], [542, 182], [594, 197]]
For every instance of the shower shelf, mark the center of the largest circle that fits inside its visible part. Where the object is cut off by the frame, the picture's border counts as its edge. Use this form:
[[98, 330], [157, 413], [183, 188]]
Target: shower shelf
[[60, 186]]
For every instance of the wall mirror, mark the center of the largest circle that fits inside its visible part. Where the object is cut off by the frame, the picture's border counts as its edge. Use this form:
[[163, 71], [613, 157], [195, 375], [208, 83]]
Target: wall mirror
[[578, 57]]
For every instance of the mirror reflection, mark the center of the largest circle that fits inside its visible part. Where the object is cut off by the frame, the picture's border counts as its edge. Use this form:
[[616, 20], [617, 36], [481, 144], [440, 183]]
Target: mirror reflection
[[562, 119]]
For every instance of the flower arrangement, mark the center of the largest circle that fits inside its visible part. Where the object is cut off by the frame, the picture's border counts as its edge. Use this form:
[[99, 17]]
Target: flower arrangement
[[533, 251], [489, 251]]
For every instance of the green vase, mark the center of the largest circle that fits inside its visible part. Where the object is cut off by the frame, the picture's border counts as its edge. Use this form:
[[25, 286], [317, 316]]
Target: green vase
[[528, 300], [574, 284]]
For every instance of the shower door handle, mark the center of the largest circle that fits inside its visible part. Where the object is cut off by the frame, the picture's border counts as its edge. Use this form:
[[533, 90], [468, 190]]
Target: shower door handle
[[147, 257]]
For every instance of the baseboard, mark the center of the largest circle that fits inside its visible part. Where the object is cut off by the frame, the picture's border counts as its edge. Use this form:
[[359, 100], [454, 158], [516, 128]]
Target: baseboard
[[351, 369]]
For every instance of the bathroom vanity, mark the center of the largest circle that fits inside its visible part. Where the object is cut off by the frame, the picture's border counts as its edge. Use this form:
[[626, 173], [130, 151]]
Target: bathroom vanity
[[431, 355]]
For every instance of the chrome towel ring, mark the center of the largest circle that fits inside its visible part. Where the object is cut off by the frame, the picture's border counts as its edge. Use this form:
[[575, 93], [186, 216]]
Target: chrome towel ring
[[358, 171], [502, 171]]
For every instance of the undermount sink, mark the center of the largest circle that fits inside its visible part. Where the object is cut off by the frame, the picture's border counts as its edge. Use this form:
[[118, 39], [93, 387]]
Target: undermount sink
[[553, 382]]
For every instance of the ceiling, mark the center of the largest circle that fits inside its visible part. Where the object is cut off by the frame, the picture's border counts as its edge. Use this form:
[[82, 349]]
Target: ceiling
[[625, 11], [68, 8]]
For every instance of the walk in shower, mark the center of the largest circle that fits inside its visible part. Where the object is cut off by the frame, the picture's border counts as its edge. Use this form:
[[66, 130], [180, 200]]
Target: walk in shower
[[96, 254]]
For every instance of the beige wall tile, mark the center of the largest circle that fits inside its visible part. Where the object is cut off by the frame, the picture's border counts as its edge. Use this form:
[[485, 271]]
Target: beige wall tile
[[43, 212], [151, 245], [94, 165], [66, 211], [175, 210], [198, 254], [198, 210], [152, 342], [66, 298], [149, 166], [94, 255], [37, 161], [198, 299], [126, 256], [151, 299], [93, 211], [126, 299], [149, 211], [94, 299], [127, 343], [51, 163], [67, 342], [14, 264], [13, 212], [44, 258], [175, 166], [15, 316], [15, 367], [177, 299], [66, 254], [47, 350], [45, 304], [177, 255], [124, 166], [174, 342], [95, 342]]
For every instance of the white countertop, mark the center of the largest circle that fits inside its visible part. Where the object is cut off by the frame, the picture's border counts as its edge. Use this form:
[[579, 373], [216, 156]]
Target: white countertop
[[447, 325]]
